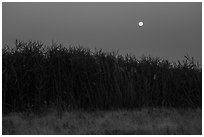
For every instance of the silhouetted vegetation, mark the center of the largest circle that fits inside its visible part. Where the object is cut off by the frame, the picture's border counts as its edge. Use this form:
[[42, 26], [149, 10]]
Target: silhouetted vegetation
[[35, 77]]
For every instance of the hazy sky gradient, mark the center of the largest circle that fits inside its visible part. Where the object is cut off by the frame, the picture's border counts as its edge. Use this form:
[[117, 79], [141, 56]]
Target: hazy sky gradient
[[171, 30]]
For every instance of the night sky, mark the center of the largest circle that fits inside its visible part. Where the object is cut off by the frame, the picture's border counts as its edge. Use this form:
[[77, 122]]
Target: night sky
[[170, 30]]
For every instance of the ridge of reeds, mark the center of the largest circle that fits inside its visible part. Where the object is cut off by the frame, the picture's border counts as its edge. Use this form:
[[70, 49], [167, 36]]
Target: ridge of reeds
[[35, 76]]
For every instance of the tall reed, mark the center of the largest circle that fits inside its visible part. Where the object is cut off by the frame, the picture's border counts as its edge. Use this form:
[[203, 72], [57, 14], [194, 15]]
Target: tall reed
[[35, 76]]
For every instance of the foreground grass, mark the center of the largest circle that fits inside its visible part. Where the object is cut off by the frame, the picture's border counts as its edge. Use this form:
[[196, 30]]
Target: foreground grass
[[144, 121]]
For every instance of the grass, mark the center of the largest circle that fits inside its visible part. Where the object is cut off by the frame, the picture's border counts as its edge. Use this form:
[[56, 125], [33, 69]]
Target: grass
[[117, 122], [97, 92], [36, 77]]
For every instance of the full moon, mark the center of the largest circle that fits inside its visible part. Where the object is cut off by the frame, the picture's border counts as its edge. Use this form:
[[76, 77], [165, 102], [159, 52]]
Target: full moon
[[141, 24]]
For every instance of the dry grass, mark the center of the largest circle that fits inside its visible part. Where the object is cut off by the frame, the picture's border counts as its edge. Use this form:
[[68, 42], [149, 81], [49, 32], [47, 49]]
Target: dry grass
[[145, 121]]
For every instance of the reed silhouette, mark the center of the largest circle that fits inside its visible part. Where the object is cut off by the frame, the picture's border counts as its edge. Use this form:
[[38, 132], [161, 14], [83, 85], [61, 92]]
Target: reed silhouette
[[36, 77]]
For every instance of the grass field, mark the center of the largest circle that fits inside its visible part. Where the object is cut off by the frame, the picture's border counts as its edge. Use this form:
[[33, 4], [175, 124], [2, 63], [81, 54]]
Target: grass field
[[142, 122], [86, 88]]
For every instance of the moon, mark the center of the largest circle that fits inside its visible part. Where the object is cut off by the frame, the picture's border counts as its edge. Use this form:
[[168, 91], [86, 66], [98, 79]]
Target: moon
[[140, 23]]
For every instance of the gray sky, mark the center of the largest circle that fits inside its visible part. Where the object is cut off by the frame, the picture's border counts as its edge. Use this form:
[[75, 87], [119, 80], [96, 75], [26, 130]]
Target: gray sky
[[170, 30]]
